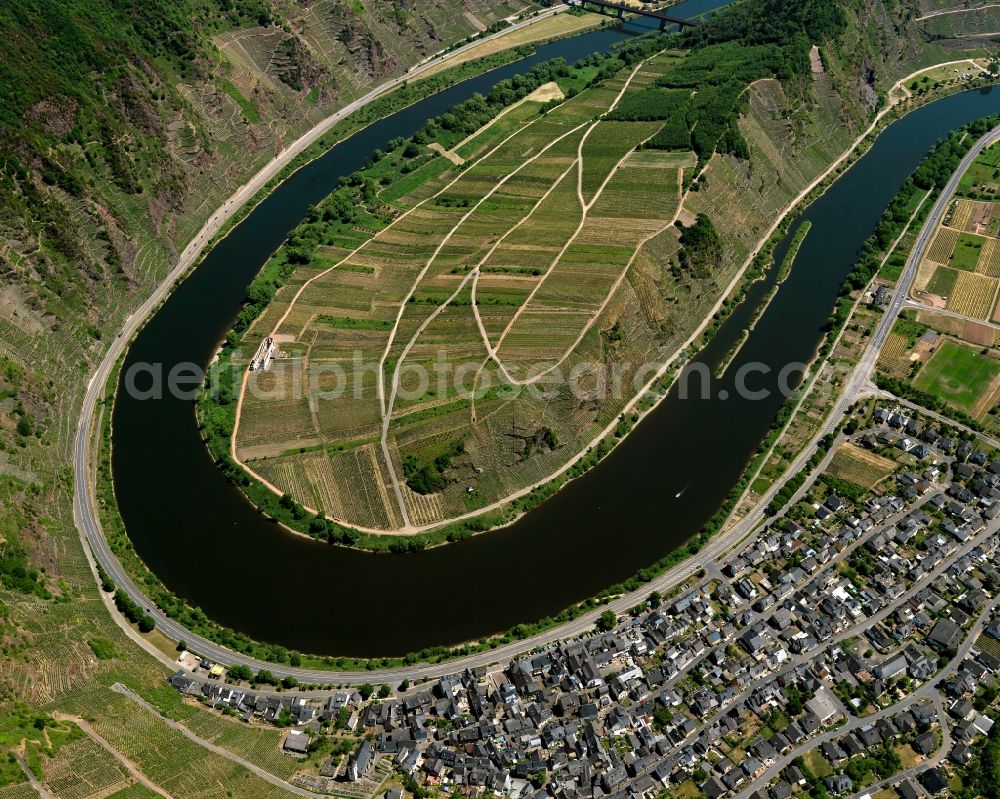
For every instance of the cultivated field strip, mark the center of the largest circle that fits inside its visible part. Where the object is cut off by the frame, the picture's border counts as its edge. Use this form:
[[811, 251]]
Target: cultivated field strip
[[164, 755], [943, 245], [974, 295], [515, 259], [963, 214], [989, 260]]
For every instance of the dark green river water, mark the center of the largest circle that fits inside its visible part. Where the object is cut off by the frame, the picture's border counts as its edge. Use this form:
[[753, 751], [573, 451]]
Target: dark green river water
[[210, 546]]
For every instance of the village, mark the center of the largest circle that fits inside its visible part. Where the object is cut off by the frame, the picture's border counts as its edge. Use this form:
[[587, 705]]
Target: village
[[851, 648]]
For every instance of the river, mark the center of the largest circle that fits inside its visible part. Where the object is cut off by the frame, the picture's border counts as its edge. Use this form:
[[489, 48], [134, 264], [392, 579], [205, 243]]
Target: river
[[202, 538]]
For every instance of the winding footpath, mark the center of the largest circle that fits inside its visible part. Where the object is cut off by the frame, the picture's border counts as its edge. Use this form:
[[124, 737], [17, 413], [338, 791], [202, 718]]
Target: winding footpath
[[98, 550]]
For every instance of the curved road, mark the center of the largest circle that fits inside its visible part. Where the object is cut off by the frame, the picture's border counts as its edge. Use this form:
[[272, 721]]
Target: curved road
[[86, 517]]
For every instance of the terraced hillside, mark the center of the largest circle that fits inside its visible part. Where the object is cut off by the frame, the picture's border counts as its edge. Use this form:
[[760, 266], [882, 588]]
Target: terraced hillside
[[503, 299], [514, 257], [963, 26]]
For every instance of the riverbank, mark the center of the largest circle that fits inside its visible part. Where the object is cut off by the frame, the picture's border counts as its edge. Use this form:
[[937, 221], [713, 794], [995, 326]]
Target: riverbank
[[298, 517], [498, 643], [98, 427], [341, 566]]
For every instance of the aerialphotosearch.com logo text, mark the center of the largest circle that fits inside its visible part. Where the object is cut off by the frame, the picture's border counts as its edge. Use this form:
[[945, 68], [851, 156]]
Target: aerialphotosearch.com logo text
[[324, 381]]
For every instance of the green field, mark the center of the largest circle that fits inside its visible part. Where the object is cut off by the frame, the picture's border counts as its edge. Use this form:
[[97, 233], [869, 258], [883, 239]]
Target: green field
[[967, 252], [958, 375], [982, 180], [942, 282]]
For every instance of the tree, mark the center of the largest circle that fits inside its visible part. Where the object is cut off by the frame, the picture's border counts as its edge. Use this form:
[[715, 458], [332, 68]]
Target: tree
[[240, 672], [343, 716], [606, 620], [265, 677], [662, 717], [384, 691], [367, 690]]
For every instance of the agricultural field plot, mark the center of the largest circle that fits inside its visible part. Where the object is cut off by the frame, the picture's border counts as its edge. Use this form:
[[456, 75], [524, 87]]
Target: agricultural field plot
[[663, 159], [961, 214], [178, 764], [20, 790], [962, 377], [974, 295], [942, 281], [989, 261], [856, 465], [976, 333], [943, 245], [970, 25], [490, 135], [260, 745], [554, 26], [974, 217], [82, 769], [134, 791], [894, 355], [968, 249]]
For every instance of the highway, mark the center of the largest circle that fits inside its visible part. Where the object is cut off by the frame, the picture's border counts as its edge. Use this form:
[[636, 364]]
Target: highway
[[84, 505], [899, 298]]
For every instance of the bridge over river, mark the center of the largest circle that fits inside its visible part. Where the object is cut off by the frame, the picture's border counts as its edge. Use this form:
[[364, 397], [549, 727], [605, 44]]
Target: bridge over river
[[621, 9]]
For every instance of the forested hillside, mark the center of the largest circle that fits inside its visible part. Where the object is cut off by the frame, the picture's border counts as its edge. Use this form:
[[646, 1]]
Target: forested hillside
[[123, 125]]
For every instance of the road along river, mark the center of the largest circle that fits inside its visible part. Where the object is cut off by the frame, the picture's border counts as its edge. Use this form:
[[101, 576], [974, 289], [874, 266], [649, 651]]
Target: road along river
[[210, 546]]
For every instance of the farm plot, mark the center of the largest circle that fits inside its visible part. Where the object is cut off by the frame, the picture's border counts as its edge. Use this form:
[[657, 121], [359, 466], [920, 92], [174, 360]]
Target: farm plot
[[134, 791], [553, 245], [973, 295], [21, 790], [607, 144], [961, 377], [989, 261], [975, 217], [982, 180], [962, 213], [179, 765], [663, 159], [260, 745], [968, 249], [893, 357], [858, 466], [973, 332], [943, 245], [942, 282], [81, 769]]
